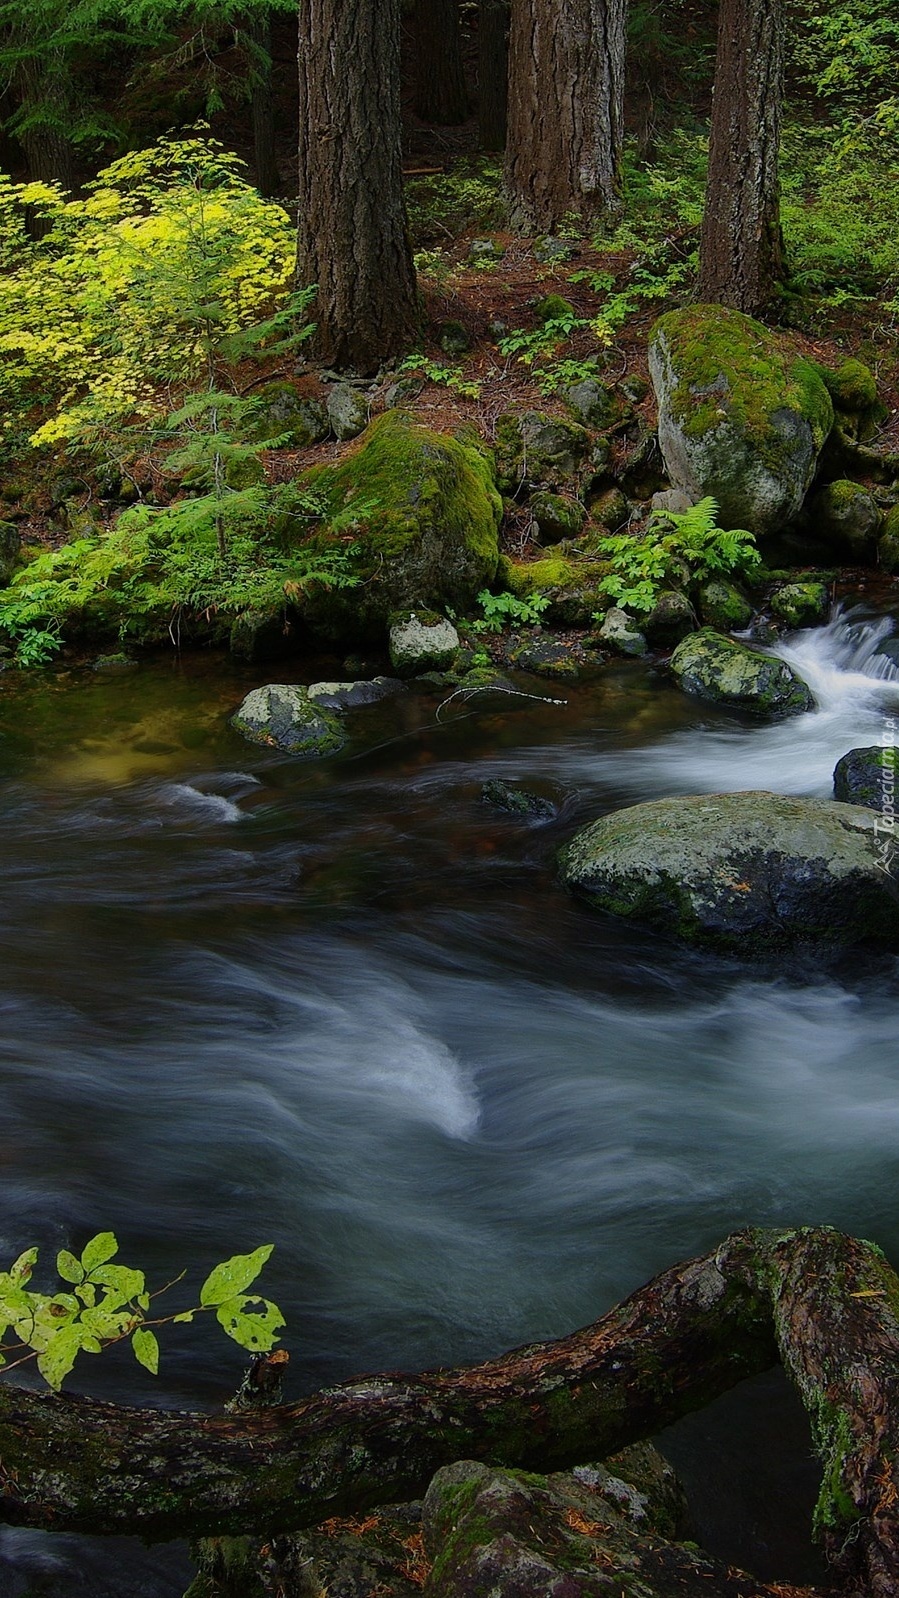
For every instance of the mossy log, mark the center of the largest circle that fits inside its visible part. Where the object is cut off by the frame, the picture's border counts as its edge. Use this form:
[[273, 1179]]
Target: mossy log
[[826, 1304]]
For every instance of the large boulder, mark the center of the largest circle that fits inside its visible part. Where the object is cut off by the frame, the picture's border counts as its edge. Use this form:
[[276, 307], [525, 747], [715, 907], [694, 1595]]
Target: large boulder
[[749, 871], [846, 517], [283, 716], [716, 668], [420, 640], [870, 777], [740, 417], [414, 515]]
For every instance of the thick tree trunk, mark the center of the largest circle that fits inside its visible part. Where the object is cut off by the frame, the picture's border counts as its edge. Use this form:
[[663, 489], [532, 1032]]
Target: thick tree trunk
[[257, 29], [741, 251], [493, 72], [353, 239], [440, 92], [566, 109], [828, 1303]]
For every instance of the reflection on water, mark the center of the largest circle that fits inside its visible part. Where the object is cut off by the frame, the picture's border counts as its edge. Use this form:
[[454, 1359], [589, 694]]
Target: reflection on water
[[347, 1009]]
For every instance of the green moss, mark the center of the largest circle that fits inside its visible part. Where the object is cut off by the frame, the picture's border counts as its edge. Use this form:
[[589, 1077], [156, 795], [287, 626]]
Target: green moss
[[554, 308], [852, 387], [833, 1440], [417, 512], [731, 366]]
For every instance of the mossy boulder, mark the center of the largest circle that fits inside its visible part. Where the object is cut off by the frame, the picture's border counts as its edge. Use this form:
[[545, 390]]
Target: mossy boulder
[[671, 619], [752, 872], [590, 402], [283, 716], [846, 517], [620, 632], [285, 414], [571, 585], [10, 544], [609, 511], [535, 450], [557, 516], [723, 607], [800, 604], [869, 777], [416, 514], [725, 672], [420, 640], [740, 416], [852, 387], [888, 542], [348, 411], [354, 695], [553, 308]]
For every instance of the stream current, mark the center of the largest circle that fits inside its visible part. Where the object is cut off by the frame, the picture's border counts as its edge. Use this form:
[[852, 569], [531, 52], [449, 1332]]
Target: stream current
[[346, 1008]]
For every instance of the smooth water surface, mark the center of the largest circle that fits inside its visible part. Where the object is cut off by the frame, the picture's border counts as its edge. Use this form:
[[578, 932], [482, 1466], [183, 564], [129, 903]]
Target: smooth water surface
[[346, 1008]]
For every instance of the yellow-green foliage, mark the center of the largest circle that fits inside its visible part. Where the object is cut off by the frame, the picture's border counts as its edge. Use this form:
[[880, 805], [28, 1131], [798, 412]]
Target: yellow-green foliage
[[134, 290]]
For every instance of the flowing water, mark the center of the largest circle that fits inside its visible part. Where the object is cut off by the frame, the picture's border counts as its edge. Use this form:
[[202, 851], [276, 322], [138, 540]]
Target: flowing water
[[346, 1008]]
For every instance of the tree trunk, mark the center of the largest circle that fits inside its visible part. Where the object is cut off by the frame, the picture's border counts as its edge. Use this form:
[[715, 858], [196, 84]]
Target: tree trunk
[[828, 1303], [566, 109], [257, 30], [493, 72], [440, 92], [741, 249], [353, 238]]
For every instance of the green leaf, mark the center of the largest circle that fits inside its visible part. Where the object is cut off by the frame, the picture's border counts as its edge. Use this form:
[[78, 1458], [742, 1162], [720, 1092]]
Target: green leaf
[[146, 1350], [68, 1267], [24, 1265], [188, 1315], [101, 1248], [57, 1359], [232, 1276], [121, 1281], [254, 1323]]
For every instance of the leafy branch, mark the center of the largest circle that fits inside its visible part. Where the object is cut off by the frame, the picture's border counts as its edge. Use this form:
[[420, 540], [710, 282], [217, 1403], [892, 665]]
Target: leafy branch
[[103, 1303]]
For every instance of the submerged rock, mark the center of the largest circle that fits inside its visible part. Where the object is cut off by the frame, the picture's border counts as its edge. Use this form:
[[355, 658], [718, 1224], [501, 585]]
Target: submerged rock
[[517, 801], [725, 672], [869, 777], [283, 716], [740, 417], [743, 871]]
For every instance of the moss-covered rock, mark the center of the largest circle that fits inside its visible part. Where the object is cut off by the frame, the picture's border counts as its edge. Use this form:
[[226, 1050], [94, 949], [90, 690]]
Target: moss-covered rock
[[869, 777], [724, 607], [852, 387], [553, 308], [284, 717], [670, 619], [259, 635], [571, 585], [740, 417], [453, 338], [417, 513], [518, 802], [354, 695], [620, 632], [348, 411], [551, 657], [420, 640], [287, 415], [590, 402], [725, 672], [800, 604], [754, 872], [888, 542], [557, 516], [535, 450], [846, 517], [609, 511]]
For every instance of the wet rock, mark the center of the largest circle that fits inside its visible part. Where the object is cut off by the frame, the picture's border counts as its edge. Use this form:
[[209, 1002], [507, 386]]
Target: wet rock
[[847, 518], [869, 777], [353, 695], [725, 672], [620, 632], [284, 717], [724, 607], [422, 641], [747, 871], [740, 417], [549, 657], [800, 604], [114, 665], [348, 411], [517, 801], [557, 516]]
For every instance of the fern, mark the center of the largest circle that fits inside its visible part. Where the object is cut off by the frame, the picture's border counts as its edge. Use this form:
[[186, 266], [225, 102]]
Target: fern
[[642, 567]]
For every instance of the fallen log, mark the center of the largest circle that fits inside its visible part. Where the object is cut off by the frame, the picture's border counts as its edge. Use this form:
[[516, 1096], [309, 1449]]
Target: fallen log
[[826, 1304]]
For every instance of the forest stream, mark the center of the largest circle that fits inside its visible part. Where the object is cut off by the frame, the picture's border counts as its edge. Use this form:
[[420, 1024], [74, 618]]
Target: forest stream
[[345, 1007]]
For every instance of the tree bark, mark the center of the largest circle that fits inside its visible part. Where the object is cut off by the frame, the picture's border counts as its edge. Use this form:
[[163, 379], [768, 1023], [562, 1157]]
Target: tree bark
[[257, 30], [828, 1303], [493, 72], [741, 248], [565, 110], [440, 92], [352, 238]]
